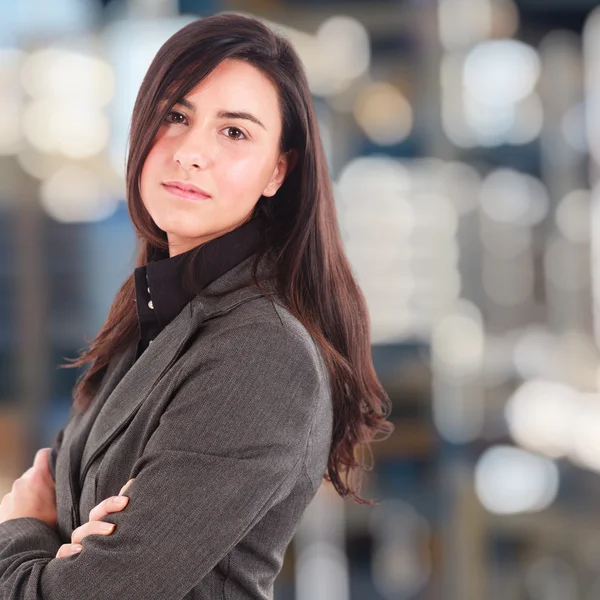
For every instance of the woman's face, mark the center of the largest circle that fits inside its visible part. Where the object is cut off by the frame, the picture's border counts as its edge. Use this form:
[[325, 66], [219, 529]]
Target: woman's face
[[223, 137]]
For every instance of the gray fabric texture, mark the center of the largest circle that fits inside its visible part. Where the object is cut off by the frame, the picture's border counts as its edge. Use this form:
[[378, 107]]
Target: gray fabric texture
[[225, 422]]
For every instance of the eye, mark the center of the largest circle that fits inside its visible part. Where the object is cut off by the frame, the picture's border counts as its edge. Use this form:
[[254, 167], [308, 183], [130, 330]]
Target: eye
[[236, 138], [175, 115]]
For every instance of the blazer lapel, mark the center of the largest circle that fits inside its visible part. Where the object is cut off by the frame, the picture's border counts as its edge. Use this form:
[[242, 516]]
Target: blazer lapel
[[122, 404], [83, 423]]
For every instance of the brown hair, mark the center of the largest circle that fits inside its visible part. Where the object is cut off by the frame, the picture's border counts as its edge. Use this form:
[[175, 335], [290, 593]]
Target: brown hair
[[313, 276]]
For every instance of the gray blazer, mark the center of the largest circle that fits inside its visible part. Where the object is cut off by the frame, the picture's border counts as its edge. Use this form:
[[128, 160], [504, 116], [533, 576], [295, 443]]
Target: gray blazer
[[225, 423]]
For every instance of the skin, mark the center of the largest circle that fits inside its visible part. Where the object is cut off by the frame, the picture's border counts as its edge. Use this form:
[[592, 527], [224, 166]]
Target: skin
[[235, 160]]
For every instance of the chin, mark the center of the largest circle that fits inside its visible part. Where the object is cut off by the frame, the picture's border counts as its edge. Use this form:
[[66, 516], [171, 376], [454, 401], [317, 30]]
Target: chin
[[179, 227]]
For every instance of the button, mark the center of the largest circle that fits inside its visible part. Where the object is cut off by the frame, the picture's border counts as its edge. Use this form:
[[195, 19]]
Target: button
[[150, 304], [150, 341], [148, 290]]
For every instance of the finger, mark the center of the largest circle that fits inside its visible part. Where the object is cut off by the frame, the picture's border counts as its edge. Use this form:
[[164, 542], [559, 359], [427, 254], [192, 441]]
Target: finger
[[108, 505], [126, 486], [68, 550], [29, 472], [91, 528], [40, 460], [41, 466], [122, 490]]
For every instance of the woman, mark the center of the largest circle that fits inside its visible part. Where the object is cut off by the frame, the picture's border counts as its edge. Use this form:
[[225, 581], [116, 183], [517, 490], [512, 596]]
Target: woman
[[234, 370]]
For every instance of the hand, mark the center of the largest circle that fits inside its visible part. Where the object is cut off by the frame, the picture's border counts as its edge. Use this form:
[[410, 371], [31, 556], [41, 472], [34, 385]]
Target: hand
[[94, 524], [33, 494]]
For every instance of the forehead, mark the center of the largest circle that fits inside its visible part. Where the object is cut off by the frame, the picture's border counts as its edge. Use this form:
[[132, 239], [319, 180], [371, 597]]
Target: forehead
[[235, 85]]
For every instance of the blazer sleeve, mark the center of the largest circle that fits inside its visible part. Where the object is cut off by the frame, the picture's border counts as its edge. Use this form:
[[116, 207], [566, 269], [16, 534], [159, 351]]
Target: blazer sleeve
[[230, 445]]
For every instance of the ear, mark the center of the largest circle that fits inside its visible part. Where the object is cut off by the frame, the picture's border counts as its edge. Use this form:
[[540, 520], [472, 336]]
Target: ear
[[285, 164]]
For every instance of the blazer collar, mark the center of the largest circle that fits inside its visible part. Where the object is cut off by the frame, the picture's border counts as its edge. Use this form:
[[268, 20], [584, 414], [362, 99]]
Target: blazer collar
[[127, 383]]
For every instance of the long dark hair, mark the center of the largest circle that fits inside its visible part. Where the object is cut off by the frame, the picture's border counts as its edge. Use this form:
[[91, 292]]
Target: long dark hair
[[313, 276]]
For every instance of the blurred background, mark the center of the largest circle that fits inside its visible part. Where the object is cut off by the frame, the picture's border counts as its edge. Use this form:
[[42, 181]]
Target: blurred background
[[463, 138]]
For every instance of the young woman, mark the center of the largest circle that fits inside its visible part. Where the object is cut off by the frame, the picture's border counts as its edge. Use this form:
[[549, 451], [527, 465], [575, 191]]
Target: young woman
[[234, 370]]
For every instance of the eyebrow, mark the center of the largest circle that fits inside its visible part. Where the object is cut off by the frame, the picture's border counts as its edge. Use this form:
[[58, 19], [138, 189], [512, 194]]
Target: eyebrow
[[224, 114]]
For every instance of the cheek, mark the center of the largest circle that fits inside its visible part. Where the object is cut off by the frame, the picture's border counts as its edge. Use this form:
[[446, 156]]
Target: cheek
[[155, 157], [246, 177]]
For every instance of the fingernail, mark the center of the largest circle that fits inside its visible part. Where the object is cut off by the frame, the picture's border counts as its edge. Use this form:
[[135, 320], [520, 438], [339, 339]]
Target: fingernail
[[75, 548], [107, 526], [121, 500]]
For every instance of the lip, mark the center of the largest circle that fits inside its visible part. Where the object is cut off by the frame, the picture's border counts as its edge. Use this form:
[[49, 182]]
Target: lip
[[185, 190]]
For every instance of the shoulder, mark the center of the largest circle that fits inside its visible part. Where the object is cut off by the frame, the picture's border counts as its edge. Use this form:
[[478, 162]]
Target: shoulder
[[267, 328], [254, 367]]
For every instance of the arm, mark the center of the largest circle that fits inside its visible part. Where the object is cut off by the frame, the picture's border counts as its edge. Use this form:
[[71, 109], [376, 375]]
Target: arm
[[230, 445]]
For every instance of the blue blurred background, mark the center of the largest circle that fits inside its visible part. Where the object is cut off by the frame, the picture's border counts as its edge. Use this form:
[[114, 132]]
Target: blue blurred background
[[463, 138]]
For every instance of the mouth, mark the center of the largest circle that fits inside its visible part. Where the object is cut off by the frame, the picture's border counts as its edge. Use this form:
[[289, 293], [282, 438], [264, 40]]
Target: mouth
[[188, 191]]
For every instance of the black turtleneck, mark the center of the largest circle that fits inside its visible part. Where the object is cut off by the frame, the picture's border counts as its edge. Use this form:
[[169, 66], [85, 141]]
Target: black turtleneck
[[159, 286]]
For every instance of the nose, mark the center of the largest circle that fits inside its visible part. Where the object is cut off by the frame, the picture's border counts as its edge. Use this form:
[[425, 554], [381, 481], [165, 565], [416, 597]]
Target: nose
[[191, 153]]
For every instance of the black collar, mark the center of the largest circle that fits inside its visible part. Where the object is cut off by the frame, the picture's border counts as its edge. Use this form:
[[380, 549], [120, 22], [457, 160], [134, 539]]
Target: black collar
[[161, 288]]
